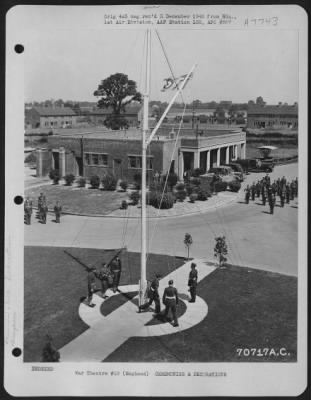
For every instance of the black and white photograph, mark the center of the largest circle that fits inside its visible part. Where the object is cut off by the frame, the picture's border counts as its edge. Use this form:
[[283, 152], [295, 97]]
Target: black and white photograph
[[156, 200]]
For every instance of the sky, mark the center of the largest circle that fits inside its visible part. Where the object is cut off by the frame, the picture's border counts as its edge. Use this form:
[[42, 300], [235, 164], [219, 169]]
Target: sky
[[67, 60]]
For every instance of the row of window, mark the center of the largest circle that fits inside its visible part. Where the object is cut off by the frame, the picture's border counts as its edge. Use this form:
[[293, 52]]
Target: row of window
[[55, 123], [102, 159]]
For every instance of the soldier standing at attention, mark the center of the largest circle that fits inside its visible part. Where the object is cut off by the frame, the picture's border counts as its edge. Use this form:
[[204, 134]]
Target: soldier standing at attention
[[247, 194], [193, 282], [253, 191], [44, 211], [271, 200], [57, 210], [116, 268], [282, 196], [153, 295], [28, 210], [91, 286], [287, 190], [170, 300]]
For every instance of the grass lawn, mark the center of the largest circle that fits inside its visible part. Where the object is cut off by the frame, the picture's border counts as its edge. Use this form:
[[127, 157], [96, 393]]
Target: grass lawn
[[55, 284], [247, 309], [79, 200], [254, 309]]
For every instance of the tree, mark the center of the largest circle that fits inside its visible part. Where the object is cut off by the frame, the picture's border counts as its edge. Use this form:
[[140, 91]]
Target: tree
[[221, 250], [260, 101], [188, 242], [116, 92]]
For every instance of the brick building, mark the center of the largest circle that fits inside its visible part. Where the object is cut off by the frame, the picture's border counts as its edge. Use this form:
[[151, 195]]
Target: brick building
[[119, 152], [50, 117], [132, 115], [273, 116]]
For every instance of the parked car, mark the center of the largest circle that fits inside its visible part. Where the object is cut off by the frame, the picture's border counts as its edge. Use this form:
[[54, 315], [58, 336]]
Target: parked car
[[256, 164], [237, 170], [225, 173]]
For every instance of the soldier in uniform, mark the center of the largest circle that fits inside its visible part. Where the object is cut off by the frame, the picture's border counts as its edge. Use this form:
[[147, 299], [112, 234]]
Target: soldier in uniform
[[91, 286], [253, 191], [28, 210], [271, 200], [153, 295], [247, 194], [103, 277], [292, 190], [263, 194], [170, 300], [116, 268], [258, 189], [57, 210], [40, 201], [287, 191], [282, 196], [193, 282], [44, 211]]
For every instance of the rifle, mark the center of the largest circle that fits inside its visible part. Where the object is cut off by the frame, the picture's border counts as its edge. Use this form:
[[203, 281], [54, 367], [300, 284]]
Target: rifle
[[89, 268]]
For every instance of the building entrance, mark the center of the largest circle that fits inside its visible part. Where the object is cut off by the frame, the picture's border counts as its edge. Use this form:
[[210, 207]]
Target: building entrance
[[188, 161], [56, 159], [117, 168], [79, 166]]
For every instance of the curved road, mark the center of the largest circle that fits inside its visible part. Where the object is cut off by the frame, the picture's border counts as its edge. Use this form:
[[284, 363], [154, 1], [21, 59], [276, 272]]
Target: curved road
[[255, 238]]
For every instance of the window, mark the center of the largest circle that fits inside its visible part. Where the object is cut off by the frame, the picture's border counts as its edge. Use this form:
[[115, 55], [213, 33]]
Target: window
[[96, 159], [136, 162]]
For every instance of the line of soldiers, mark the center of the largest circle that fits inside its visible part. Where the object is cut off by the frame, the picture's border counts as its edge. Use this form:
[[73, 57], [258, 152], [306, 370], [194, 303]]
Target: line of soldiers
[[109, 277], [286, 190], [42, 210]]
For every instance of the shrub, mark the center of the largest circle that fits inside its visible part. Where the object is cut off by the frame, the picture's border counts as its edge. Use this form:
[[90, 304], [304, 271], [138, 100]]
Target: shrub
[[197, 172], [193, 197], [124, 205], [81, 182], [220, 186], [181, 195], [154, 199], [195, 181], [190, 188], [235, 186], [54, 175], [31, 158], [69, 179], [95, 181], [109, 182], [123, 185], [134, 197], [180, 186], [203, 194], [172, 180], [156, 187]]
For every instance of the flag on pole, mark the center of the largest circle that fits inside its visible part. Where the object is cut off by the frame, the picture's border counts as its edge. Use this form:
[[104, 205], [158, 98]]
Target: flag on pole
[[174, 83]]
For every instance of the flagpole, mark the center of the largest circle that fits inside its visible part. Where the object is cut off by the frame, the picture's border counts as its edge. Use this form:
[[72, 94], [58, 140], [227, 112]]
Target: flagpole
[[143, 275]]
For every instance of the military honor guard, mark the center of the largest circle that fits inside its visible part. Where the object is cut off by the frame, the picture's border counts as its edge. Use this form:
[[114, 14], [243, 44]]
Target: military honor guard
[[28, 210], [103, 276], [91, 286], [247, 194], [170, 300], [193, 282]]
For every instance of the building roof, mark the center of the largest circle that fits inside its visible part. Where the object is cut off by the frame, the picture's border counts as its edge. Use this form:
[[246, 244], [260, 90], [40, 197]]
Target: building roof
[[273, 109], [130, 109], [54, 111]]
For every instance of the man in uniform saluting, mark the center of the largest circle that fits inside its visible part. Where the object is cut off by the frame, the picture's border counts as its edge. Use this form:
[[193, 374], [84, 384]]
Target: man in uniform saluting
[[170, 300]]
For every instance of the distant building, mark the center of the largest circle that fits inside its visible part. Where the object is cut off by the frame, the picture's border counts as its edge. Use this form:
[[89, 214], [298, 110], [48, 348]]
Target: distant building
[[132, 115], [50, 117], [273, 116], [119, 152]]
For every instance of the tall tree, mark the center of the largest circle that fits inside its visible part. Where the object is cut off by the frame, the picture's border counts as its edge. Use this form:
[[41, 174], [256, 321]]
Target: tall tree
[[116, 92]]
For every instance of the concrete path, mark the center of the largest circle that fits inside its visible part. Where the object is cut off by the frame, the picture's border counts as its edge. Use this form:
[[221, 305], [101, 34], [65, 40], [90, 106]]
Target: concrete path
[[107, 333]]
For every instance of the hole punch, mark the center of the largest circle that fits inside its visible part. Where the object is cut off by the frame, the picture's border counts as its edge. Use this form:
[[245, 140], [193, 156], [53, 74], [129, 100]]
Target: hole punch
[[18, 200], [16, 352], [19, 48]]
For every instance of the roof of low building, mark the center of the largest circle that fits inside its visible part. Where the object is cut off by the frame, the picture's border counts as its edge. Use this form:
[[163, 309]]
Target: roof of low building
[[54, 111], [273, 109]]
